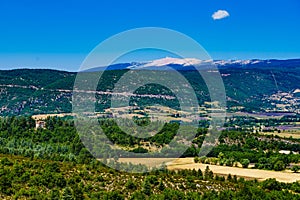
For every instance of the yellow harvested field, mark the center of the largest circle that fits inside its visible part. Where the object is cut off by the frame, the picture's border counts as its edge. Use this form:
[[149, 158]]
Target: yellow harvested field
[[188, 163], [150, 162], [44, 116], [294, 134]]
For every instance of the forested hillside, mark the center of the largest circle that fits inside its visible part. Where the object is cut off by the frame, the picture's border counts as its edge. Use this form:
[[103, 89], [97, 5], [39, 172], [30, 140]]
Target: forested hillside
[[249, 87]]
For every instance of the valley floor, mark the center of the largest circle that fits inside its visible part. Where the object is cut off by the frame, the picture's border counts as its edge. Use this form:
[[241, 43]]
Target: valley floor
[[188, 163]]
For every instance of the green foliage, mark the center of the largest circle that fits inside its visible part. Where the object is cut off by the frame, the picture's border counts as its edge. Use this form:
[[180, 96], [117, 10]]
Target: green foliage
[[139, 150], [55, 194], [67, 194], [295, 168], [208, 174], [259, 149], [32, 91], [279, 165], [130, 185], [146, 188], [245, 163], [82, 183], [271, 184], [52, 163], [161, 186]]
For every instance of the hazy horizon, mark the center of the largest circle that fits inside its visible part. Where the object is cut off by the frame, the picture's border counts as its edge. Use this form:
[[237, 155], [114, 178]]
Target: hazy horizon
[[76, 68]]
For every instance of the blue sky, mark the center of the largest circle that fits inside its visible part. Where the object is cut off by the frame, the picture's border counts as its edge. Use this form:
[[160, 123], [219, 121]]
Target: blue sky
[[59, 34]]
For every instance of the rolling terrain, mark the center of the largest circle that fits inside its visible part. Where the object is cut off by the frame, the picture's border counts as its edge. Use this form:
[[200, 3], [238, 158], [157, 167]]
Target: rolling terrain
[[253, 85]]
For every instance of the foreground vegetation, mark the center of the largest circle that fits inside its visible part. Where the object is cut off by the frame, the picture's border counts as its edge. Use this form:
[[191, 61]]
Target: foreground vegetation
[[45, 179], [52, 163]]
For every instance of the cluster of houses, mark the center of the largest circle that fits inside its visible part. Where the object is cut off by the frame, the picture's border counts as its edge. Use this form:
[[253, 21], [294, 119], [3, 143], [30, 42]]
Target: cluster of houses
[[285, 101]]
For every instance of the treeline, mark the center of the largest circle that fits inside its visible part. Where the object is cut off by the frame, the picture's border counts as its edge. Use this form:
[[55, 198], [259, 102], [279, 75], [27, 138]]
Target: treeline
[[263, 151], [167, 133], [58, 141], [243, 121]]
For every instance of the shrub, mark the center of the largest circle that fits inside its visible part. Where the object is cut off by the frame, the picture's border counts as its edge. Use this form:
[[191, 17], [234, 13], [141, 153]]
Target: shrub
[[295, 168], [245, 163], [279, 165]]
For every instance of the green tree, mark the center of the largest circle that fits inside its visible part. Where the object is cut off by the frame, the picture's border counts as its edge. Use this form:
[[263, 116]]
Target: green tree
[[221, 155], [161, 186], [271, 184], [229, 177], [279, 165], [130, 185], [146, 188], [208, 174], [245, 163], [138, 196], [5, 184], [295, 168], [67, 194], [54, 194], [77, 192]]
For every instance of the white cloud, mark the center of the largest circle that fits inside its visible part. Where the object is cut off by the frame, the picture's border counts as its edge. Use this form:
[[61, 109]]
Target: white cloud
[[220, 14]]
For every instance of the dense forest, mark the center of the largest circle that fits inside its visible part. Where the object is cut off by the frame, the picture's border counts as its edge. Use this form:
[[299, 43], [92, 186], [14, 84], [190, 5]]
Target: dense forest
[[60, 141], [52, 163], [30, 178]]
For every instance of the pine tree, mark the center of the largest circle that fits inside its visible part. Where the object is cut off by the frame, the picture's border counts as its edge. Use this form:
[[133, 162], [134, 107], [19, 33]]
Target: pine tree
[[208, 173], [161, 186], [54, 194], [67, 194], [147, 187]]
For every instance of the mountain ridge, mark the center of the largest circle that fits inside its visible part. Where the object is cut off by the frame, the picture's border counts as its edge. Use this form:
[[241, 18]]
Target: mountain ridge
[[220, 63], [190, 63]]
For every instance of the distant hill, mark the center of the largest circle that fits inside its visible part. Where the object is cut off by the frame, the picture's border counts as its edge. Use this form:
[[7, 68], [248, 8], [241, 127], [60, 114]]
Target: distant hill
[[190, 63], [249, 84]]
